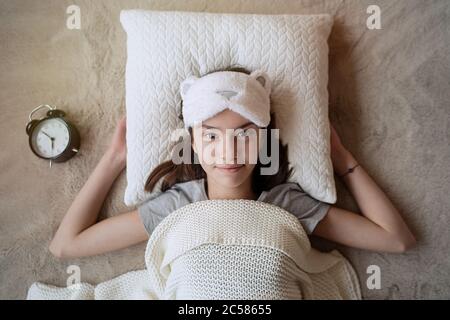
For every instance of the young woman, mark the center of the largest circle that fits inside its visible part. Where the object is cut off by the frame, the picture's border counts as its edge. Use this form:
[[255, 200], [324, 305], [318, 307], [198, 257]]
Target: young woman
[[380, 227]]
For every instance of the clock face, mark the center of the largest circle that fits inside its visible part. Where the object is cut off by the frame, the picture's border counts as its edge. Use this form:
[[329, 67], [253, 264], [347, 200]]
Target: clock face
[[50, 138]]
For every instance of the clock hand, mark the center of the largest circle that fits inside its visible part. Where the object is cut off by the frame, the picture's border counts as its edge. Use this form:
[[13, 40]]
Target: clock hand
[[46, 134]]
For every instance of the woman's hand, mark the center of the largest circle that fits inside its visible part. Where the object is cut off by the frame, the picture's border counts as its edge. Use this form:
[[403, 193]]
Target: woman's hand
[[381, 226], [79, 233], [118, 147], [342, 158]]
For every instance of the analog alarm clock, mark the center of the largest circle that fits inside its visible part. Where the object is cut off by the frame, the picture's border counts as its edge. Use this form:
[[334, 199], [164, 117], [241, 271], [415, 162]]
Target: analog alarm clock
[[52, 137]]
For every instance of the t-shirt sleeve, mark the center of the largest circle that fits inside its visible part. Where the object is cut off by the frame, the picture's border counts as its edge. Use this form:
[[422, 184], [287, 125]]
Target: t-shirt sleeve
[[294, 199], [153, 211]]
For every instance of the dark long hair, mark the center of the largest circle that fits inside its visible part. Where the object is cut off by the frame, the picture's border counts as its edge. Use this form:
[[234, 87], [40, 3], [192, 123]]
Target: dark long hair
[[175, 173]]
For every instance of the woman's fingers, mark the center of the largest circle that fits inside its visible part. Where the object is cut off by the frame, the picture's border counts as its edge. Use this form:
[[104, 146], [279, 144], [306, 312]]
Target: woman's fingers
[[335, 139]]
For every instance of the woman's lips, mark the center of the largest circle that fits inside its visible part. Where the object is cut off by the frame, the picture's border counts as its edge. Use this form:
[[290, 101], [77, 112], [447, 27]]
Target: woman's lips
[[230, 169]]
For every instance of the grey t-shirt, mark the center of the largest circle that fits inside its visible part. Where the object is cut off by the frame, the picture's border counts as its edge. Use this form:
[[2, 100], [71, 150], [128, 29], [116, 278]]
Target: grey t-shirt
[[289, 196]]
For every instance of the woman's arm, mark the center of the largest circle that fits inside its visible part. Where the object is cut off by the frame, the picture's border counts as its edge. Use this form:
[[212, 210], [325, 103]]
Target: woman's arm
[[380, 228], [78, 235]]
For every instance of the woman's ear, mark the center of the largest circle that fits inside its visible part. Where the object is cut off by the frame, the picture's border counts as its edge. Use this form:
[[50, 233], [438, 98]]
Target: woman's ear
[[263, 78], [186, 84], [194, 148]]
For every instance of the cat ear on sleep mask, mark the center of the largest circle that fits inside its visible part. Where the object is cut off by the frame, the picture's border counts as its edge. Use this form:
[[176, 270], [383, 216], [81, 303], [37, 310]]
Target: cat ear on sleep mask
[[186, 84], [263, 78]]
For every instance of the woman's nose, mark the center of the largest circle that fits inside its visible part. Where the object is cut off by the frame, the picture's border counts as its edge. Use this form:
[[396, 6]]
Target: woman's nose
[[229, 149]]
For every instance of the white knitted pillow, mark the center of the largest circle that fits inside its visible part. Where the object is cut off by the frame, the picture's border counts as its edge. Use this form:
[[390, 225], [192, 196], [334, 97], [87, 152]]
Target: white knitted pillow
[[165, 47]]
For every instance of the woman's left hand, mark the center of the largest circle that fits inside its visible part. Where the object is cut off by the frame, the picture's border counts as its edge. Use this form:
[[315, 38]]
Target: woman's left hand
[[340, 156], [336, 143]]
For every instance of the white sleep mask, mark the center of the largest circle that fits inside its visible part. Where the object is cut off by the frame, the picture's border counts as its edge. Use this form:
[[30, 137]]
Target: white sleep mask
[[248, 95]]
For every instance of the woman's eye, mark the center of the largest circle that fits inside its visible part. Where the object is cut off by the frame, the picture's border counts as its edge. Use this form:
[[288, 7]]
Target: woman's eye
[[209, 136], [244, 133]]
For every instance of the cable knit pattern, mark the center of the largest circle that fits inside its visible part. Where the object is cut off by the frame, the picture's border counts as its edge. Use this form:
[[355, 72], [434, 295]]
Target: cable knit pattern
[[165, 47], [226, 249]]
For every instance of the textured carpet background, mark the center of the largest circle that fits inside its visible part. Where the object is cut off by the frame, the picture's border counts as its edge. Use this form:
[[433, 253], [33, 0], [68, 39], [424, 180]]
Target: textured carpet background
[[389, 100]]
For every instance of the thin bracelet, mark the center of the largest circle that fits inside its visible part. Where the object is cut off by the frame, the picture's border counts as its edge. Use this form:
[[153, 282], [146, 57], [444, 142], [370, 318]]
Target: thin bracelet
[[350, 170]]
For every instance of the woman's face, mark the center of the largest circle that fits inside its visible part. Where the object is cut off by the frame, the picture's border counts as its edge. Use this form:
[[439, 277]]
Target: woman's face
[[226, 141]]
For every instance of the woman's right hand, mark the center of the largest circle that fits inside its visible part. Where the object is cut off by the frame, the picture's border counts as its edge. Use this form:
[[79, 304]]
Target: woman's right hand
[[118, 146]]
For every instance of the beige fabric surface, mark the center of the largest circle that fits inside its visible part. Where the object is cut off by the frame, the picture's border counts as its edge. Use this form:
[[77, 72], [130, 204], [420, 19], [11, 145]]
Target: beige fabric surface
[[389, 100]]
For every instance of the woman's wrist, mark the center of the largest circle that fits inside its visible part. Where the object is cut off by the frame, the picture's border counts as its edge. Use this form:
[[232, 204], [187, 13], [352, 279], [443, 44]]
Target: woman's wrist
[[343, 160], [115, 160]]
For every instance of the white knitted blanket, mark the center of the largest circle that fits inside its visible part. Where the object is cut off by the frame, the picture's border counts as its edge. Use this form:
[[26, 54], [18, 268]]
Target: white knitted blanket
[[225, 249]]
